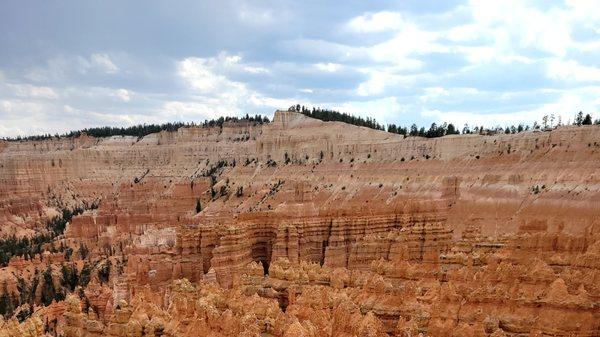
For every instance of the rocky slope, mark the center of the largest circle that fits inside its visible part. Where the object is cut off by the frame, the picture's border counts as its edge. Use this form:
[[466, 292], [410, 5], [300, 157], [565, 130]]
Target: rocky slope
[[306, 228]]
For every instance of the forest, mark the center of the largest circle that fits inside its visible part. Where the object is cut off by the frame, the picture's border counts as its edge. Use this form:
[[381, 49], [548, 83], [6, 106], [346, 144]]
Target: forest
[[433, 131], [438, 130], [143, 129]]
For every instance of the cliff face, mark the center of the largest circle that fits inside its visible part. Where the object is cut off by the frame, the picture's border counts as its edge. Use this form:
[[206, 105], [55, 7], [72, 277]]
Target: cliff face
[[360, 232]]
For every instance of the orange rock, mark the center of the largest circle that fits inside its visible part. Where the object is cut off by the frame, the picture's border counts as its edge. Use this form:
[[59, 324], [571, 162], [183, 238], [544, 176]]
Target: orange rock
[[359, 233]]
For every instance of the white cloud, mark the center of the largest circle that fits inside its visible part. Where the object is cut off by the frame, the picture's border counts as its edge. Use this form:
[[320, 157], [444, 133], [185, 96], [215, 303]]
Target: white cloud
[[256, 70], [385, 110], [511, 27], [199, 74], [63, 67], [460, 118], [434, 93], [273, 103], [214, 93], [328, 67], [259, 15], [375, 22], [32, 91], [233, 63], [17, 108], [124, 95], [572, 71], [378, 81], [68, 109], [502, 31], [104, 63], [398, 56], [381, 79], [511, 24], [463, 33], [440, 94], [190, 110], [409, 41], [208, 74], [331, 51], [23, 117], [565, 106]]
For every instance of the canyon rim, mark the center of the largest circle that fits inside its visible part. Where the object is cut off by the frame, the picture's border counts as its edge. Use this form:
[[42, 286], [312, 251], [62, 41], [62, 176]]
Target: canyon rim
[[301, 227]]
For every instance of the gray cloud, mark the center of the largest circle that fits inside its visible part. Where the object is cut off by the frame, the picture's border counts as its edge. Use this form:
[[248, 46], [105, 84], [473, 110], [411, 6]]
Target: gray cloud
[[73, 64]]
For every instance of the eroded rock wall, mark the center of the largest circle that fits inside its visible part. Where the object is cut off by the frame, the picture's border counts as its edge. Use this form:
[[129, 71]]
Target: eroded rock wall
[[337, 229]]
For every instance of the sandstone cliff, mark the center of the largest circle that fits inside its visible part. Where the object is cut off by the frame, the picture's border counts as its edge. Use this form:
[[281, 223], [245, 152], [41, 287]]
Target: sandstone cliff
[[311, 228]]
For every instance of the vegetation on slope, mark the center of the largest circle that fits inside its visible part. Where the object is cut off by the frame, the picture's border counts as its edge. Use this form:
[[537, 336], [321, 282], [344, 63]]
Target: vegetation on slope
[[21, 302], [27, 248], [434, 130], [330, 115], [43, 284], [145, 129]]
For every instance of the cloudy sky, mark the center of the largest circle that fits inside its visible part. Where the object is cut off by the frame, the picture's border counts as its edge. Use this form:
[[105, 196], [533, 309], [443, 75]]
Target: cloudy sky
[[67, 65]]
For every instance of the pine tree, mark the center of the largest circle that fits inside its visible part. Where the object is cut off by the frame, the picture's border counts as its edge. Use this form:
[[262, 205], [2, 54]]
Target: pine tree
[[104, 272], [48, 291], [466, 129], [69, 278], [451, 130], [579, 118], [84, 276], [414, 131], [198, 206], [6, 304]]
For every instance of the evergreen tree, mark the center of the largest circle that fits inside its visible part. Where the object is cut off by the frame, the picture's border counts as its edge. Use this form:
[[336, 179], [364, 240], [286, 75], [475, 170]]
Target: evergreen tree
[[144, 129], [104, 272], [23, 290], [48, 291], [402, 131], [198, 206], [414, 131], [69, 277], [6, 304], [466, 129], [452, 130], [579, 118], [83, 251], [35, 282], [85, 275], [330, 115]]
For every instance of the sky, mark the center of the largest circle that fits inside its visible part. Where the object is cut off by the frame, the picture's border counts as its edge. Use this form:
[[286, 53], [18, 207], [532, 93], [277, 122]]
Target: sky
[[67, 65]]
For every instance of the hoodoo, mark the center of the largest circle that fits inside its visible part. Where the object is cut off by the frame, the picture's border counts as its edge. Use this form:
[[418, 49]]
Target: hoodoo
[[302, 227]]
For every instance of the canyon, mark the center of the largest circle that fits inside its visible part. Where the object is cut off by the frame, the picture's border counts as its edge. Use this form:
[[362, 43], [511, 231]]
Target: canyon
[[301, 227]]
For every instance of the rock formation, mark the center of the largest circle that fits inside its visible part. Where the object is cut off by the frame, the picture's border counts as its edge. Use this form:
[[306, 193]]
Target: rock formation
[[305, 228]]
